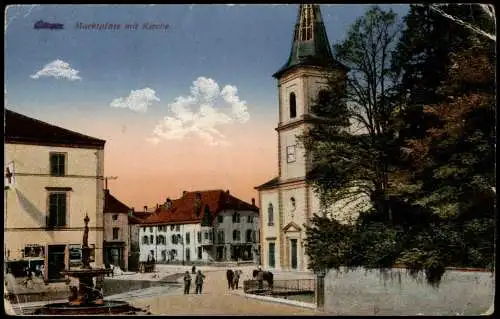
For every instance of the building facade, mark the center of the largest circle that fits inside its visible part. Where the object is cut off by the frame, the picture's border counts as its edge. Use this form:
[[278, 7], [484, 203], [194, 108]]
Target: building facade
[[54, 177], [201, 227], [116, 231], [287, 202], [134, 248]]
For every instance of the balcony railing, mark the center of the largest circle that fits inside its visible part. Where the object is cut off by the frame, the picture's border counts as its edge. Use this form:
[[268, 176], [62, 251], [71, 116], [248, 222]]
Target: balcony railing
[[207, 241], [292, 286]]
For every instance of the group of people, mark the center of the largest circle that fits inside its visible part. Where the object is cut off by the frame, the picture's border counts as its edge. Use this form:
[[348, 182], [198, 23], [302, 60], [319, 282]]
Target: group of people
[[198, 281], [37, 271], [233, 278]]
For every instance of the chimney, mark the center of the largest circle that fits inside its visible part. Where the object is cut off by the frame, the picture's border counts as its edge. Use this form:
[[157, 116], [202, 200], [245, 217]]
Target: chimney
[[253, 201], [168, 203], [227, 192], [145, 208], [184, 193], [157, 206]]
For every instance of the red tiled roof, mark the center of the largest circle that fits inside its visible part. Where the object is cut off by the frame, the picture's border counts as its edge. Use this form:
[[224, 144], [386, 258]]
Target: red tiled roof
[[142, 215], [134, 220], [182, 210], [26, 130], [113, 205]]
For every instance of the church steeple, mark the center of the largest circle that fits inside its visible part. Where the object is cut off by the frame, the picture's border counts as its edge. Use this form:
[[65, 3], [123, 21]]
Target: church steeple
[[310, 44]]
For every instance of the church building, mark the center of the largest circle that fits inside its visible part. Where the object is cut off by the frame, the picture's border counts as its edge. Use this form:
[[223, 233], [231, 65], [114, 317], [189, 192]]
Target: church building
[[287, 201]]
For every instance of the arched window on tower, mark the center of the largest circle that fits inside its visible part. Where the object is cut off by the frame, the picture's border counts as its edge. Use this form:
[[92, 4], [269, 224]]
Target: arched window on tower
[[323, 99], [293, 106], [270, 214], [323, 96]]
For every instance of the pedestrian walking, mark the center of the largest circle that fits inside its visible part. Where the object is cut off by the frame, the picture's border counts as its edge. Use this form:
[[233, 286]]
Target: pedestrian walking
[[199, 282], [229, 276], [187, 282], [193, 270], [236, 279]]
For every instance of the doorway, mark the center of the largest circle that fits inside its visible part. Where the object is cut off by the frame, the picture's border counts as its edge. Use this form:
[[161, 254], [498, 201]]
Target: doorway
[[114, 256], [271, 255], [293, 247], [236, 252], [56, 261], [220, 253]]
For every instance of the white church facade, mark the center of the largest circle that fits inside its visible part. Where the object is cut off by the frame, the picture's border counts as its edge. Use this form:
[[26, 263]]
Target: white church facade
[[287, 202]]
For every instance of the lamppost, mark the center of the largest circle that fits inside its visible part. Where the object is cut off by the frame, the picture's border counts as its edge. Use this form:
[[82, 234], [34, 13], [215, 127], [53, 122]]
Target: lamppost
[[320, 288]]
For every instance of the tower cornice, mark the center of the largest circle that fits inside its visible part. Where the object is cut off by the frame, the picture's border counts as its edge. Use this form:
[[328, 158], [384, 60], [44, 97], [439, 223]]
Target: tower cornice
[[305, 119]]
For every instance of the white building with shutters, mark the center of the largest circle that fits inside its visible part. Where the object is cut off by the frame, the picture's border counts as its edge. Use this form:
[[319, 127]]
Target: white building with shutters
[[201, 227]]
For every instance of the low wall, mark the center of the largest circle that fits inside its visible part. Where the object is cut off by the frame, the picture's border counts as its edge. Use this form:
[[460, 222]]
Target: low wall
[[366, 292]]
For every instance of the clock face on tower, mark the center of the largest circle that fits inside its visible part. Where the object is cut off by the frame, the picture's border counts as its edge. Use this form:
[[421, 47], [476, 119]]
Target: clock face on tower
[[290, 154]]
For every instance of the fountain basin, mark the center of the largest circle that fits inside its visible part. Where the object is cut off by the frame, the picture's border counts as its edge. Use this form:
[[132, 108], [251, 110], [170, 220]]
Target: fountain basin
[[108, 307]]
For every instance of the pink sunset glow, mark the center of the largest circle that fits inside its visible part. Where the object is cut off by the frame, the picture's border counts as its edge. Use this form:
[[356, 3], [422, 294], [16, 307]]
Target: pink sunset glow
[[148, 174]]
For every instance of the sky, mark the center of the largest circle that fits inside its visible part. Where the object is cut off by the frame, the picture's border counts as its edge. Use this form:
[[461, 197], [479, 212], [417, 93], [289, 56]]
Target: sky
[[182, 94]]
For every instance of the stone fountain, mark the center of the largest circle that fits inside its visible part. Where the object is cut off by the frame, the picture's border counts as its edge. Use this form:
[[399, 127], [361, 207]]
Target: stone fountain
[[86, 299]]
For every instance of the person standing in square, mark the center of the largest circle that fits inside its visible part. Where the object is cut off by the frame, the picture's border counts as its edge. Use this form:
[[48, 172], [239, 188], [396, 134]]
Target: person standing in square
[[187, 282], [199, 282]]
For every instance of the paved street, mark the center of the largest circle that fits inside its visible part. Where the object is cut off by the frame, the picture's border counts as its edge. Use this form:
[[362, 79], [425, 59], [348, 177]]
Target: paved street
[[217, 299]]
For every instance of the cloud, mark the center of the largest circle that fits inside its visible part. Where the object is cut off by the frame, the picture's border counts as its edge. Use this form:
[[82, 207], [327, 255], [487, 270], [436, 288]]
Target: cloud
[[138, 100], [58, 69], [198, 115]]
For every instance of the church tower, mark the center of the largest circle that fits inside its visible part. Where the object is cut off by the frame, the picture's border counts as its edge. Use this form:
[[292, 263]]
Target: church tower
[[287, 202]]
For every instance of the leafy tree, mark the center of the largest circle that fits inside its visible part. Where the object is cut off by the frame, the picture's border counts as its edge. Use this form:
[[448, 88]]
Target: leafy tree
[[447, 128], [424, 151], [455, 159], [354, 140], [327, 243]]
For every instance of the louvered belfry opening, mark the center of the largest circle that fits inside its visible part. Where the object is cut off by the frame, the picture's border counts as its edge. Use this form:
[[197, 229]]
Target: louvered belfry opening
[[307, 22]]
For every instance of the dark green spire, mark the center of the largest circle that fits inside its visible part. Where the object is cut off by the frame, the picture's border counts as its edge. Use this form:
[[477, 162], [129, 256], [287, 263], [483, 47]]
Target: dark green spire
[[310, 44]]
